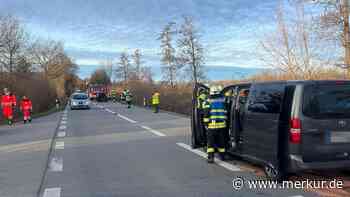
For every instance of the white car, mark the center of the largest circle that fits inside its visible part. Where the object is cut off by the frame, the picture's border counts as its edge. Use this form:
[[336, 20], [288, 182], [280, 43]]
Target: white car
[[79, 101]]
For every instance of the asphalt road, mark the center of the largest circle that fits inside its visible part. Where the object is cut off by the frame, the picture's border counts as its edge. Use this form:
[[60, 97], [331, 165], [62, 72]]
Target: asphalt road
[[110, 151]]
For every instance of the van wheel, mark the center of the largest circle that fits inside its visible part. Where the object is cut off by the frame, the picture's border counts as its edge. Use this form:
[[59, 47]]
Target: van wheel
[[273, 173]]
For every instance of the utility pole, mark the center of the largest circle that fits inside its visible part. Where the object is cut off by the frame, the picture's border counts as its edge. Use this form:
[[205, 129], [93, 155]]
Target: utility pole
[[346, 32]]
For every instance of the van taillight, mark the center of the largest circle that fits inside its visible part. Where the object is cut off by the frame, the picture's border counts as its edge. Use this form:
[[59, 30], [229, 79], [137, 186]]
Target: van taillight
[[295, 131]]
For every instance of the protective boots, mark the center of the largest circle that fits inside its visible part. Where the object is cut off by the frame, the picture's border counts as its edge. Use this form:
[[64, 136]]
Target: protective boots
[[222, 156], [210, 157]]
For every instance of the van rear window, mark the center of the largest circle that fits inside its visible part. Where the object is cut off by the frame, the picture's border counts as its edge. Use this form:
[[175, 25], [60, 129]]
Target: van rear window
[[327, 101]]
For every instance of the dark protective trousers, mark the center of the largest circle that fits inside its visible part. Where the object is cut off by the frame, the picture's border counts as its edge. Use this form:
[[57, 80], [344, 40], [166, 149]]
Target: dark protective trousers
[[215, 139]]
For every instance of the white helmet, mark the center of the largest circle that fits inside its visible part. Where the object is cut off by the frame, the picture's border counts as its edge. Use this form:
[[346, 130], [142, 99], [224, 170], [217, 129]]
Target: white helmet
[[215, 90]]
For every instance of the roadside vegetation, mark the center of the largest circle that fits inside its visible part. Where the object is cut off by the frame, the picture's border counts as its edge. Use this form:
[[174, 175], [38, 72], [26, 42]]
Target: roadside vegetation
[[36, 67]]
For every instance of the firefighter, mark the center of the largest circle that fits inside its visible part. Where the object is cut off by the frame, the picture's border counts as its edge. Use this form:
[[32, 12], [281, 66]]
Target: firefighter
[[128, 98], [122, 96], [57, 103], [7, 105], [26, 108], [155, 101], [216, 123], [144, 102]]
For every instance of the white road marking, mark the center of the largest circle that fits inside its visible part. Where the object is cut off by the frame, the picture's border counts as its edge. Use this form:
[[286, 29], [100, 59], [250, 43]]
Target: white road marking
[[59, 145], [224, 164], [52, 192], [110, 111], [63, 122], [154, 131], [62, 127], [61, 134], [56, 165], [126, 118], [64, 118]]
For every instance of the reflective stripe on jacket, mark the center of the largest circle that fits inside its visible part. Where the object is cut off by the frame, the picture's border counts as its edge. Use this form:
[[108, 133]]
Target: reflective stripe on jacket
[[216, 114]]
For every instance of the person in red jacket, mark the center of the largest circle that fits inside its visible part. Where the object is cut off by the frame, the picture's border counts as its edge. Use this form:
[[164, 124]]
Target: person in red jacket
[[26, 108], [7, 104]]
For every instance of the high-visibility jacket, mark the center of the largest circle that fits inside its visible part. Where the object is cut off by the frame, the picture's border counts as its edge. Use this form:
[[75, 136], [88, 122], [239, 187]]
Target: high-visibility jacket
[[201, 100], [26, 108], [26, 105], [216, 113], [156, 98], [7, 104]]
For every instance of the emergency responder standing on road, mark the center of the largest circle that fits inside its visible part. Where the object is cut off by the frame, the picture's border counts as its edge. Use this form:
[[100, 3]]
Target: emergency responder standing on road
[[57, 103], [26, 108], [155, 101], [128, 98], [7, 105], [215, 118], [122, 96]]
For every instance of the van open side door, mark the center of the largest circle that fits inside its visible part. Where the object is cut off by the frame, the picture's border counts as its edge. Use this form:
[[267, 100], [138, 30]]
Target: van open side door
[[198, 134]]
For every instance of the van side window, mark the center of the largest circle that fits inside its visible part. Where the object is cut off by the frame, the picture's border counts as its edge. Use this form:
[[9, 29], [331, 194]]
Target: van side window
[[266, 98]]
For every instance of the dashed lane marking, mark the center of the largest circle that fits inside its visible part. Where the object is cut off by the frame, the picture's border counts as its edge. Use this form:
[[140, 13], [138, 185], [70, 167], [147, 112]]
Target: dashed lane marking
[[63, 122], [126, 118], [110, 111], [61, 134], [56, 164], [52, 192], [64, 118], [224, 164], [153, 131], [59, 145]]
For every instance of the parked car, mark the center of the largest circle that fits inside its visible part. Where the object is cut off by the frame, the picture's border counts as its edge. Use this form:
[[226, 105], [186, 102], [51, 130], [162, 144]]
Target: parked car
[[79, 101], [101, 97], [288, 126]]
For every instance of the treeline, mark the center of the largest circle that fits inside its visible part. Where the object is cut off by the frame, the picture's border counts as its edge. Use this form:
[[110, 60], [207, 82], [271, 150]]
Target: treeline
[[36, 67], [313, 44]]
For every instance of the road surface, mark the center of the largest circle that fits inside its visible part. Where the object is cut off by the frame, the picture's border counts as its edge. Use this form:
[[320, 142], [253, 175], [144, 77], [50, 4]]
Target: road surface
[[110, 151]]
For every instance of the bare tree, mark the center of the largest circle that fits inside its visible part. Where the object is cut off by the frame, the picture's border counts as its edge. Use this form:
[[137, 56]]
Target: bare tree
[[334, 25], [100, 76], [146, 74], [45, 54], [12, 43], [24, 65], [138, 63], [108, 67], [293, 48], [170, 67], [190, 49], [124, 69]]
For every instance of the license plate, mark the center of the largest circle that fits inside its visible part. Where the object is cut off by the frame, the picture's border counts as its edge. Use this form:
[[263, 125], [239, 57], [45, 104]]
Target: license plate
[[340, 137]]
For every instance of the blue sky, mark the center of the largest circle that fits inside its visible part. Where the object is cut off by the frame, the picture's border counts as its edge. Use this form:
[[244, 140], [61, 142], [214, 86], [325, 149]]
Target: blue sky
[[96, 30]]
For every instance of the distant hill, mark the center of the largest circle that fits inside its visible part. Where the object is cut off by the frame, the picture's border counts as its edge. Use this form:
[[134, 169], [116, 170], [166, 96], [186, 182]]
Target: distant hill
[[213, 72]]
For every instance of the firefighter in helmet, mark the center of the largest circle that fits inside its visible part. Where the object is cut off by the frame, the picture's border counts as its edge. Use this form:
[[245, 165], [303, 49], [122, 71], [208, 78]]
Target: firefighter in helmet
[[155, 101], [7, 105], [215, 119], [26, 108], [128, 97]]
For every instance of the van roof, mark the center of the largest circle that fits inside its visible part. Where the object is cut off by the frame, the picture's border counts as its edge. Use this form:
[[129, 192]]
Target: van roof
[[304, 82]]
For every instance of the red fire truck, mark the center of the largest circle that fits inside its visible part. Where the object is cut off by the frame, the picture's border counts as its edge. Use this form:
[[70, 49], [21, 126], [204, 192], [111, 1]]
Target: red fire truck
[[95, 89]]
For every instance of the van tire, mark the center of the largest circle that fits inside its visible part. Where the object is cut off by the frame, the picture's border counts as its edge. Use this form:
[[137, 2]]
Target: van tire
[[275, 174]]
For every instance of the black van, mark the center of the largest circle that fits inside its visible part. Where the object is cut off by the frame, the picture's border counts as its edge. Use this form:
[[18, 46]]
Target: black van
[[288, 126]]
